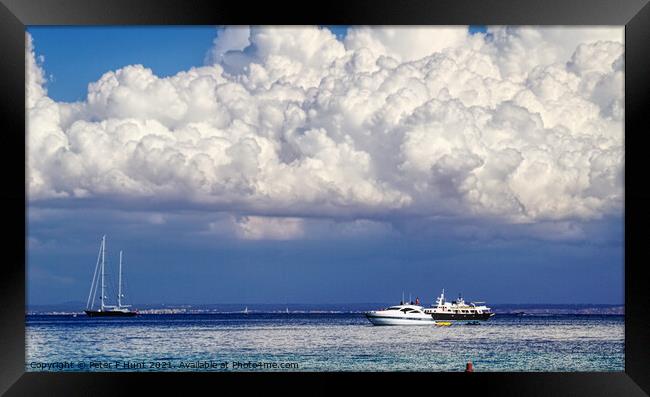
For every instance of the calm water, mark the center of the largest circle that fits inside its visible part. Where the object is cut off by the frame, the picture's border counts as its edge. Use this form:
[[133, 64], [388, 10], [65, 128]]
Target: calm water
[[323, 342]]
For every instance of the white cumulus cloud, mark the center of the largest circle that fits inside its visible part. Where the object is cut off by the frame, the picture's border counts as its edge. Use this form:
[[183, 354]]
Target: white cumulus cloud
[[520, 125]]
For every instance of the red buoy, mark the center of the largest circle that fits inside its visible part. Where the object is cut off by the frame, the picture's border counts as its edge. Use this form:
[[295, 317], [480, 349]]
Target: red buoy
[[469, 367]]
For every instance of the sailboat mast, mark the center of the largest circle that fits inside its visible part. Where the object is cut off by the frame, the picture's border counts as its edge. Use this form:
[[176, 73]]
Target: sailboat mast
[[93, 285], [119, 285], [103, 261]]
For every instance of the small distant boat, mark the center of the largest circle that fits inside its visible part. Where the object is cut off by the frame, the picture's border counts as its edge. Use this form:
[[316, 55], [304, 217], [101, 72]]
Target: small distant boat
[[105, 310], [400, 315], [245, 310]]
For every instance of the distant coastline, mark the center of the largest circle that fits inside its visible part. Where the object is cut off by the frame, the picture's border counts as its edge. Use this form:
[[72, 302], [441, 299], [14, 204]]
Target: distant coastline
[[507, 309]]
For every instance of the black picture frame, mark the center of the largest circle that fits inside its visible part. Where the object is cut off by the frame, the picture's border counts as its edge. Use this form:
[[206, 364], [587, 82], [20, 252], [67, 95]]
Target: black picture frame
[[15, 15]]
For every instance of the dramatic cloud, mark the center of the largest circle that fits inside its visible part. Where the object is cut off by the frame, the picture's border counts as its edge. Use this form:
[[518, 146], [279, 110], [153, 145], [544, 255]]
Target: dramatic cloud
[[519, 125]]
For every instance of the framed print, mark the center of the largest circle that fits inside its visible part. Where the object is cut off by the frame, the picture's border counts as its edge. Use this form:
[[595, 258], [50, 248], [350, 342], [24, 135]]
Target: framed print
[[449, 195]]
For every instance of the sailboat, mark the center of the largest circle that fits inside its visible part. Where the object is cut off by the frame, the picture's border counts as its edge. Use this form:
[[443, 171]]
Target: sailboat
[[105, 310], [245, 310]]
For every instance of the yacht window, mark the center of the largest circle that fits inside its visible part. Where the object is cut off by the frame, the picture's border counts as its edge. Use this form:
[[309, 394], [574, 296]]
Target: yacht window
[[407, 310], [417, 311], [393, 308]]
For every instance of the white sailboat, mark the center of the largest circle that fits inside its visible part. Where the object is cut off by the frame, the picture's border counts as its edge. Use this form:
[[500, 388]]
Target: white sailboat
[[106, 310]]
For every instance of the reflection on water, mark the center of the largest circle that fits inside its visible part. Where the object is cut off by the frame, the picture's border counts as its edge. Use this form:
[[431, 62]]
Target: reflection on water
[[332, 342]]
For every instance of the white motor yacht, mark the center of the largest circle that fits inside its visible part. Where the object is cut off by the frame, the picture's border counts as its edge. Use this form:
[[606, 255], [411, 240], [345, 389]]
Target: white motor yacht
[[400, 315]]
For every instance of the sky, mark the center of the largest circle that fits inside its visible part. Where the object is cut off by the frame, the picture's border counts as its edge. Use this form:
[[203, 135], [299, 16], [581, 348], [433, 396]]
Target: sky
[[340, 164]]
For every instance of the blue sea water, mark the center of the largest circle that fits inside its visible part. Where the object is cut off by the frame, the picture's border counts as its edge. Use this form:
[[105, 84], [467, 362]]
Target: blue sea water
[[320, 342]]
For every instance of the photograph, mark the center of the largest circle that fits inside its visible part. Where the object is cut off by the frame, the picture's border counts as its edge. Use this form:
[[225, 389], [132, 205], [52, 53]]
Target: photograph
[[325, 198]]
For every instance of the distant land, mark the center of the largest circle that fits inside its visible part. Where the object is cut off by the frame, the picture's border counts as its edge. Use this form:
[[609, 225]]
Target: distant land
[[521, 309]]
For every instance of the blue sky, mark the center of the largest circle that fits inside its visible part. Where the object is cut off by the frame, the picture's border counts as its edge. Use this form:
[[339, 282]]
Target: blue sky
[[178, 260], [167, 264], [76, 56]]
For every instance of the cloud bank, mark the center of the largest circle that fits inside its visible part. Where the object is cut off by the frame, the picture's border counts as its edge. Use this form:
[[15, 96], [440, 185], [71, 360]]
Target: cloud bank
[[519, 125]]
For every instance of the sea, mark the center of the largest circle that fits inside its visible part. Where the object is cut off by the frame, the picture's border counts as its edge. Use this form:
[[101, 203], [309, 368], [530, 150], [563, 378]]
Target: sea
[[281, 342]]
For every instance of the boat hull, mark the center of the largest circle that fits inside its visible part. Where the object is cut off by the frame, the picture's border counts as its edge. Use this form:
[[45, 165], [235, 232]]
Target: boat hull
[[109, 313], [386, 320], [461, 316]]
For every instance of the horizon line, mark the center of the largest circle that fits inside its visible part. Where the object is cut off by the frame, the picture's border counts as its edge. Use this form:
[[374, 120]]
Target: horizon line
[[326, 303]]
